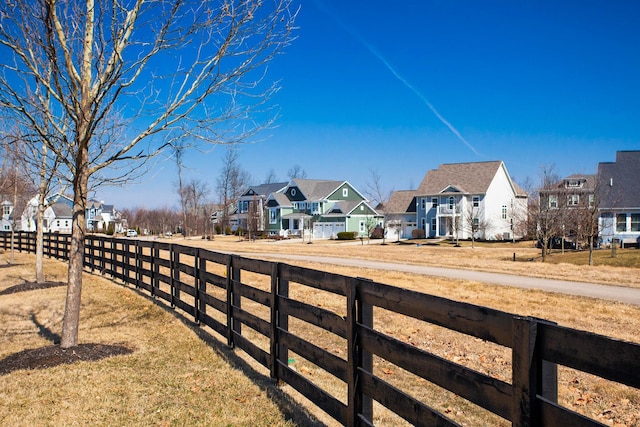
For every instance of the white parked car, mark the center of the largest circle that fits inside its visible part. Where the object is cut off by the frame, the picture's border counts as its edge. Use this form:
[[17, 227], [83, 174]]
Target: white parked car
[[132, 233]]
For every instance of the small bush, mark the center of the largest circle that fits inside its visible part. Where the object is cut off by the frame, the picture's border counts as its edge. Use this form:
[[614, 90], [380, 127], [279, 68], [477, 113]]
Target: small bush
[[347, 235], [418, 233]]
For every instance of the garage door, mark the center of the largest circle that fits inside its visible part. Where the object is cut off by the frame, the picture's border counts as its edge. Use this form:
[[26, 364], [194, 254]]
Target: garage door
[[327, 230]]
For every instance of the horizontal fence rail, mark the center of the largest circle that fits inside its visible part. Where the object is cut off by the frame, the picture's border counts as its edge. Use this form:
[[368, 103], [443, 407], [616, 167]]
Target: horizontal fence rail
[[256, 306]]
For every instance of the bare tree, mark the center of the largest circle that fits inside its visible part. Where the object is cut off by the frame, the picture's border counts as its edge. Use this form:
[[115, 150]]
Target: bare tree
[[186, 67], [474, 222], [375, 190], [296, 171], [271, 177], [546, 209], [230, 184]]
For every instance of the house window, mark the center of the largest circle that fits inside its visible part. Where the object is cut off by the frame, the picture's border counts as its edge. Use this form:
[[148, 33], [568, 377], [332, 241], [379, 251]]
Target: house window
[[7, 227], [451, 202], [592, 200], [293, 191], [434, 202], [362, 207], [362, 226], [504, 211], [573, 200], [476, 201], [621, 223], [315, 207], [6, 210], [424, 203], [273, 215], [58, 222], [66, 224], [553, 201], [345, 192], [433, 224], [476, 223], [635, 222]]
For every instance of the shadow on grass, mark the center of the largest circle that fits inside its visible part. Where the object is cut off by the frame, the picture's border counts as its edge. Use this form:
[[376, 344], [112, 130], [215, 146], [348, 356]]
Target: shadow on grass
[[288, 406], [31, 286]]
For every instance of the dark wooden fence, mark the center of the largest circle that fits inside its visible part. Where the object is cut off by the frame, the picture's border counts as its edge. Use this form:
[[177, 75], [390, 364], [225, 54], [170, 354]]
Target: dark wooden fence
[[252, 303]]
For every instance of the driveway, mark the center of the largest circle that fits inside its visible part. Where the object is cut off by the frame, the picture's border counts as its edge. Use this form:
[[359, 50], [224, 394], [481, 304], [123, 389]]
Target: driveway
[[592, 290]]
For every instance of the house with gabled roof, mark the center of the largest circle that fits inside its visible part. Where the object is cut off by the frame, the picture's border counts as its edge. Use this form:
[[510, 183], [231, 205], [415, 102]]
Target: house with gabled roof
[[464, 199], [251, 209], [321, 207], [400, 214], [618, 198]]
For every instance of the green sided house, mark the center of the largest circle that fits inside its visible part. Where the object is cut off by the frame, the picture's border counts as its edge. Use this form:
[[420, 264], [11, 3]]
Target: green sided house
[[319, 208]]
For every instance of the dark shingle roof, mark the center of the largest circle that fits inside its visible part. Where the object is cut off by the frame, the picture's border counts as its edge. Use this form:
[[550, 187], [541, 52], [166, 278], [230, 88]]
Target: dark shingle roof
[[618, 181], [402, 201]]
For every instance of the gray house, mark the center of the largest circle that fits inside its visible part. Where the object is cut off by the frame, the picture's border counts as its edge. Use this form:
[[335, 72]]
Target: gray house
[[618, 195]]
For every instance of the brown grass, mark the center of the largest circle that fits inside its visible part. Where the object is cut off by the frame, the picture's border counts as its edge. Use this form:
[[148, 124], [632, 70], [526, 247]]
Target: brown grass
[[171, 378], [184, 378]]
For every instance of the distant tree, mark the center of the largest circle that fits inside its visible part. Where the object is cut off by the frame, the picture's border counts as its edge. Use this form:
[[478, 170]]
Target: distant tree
[[271, 177], [296, 171], [545, 208], [231, 182], [375, 190]]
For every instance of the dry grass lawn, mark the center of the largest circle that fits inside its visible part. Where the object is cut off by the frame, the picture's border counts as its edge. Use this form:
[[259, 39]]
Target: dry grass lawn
[[174, 378]]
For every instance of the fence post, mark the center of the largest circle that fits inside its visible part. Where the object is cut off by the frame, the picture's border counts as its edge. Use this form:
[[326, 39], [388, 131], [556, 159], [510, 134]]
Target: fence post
[[201, 308], [155, 268], [360, 405], [196, 286], [279, 320], [527, 372], [138, 264], [175, 274], [233, 300]]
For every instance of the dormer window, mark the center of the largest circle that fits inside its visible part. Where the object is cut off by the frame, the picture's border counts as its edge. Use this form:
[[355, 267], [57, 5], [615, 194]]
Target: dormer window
[[574, 183], [293, 191], [345, 192]]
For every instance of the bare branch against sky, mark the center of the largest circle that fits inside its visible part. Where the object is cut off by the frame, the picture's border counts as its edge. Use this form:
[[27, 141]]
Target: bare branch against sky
[[106, 83]]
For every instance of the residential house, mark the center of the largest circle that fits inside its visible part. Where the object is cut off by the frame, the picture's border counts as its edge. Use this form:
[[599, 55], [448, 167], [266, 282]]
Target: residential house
[[6, 220], [251, 211], [321, 207], [57, 216], [569, 203], [618, 198], [461, 199], [400, 214]]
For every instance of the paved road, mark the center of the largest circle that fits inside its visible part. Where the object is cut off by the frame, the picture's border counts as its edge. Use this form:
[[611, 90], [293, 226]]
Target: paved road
[[608, 292]]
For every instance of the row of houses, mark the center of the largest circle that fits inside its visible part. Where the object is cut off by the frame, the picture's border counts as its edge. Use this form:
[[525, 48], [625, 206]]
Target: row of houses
[[461, 200], [59, 214], [456, 199]]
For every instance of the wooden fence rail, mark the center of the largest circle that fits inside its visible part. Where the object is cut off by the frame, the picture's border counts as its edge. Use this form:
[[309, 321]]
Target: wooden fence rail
[[253, 305]]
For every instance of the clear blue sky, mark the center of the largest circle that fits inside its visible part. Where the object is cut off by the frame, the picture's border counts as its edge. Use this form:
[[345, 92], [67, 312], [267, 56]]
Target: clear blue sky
[[370, 85]]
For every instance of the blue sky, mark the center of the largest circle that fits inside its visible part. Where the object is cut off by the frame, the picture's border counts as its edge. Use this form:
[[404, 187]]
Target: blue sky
[[369, 85]]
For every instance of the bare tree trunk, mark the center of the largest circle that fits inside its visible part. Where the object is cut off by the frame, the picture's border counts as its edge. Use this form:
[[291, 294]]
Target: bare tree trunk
[[40, 278], [76, 260]]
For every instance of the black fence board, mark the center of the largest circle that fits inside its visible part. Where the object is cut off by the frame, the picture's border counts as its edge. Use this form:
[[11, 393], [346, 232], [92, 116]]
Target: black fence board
[[483, 390], [252, 321], [605, 357], [318, 356], [482, 322], [412, 410], [323, 280], [329, 404], [252, 350], [325, 319]]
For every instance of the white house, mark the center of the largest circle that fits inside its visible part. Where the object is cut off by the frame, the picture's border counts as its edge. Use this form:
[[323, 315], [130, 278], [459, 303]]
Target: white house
[[400, 214], [57, 216], [459, 199]]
